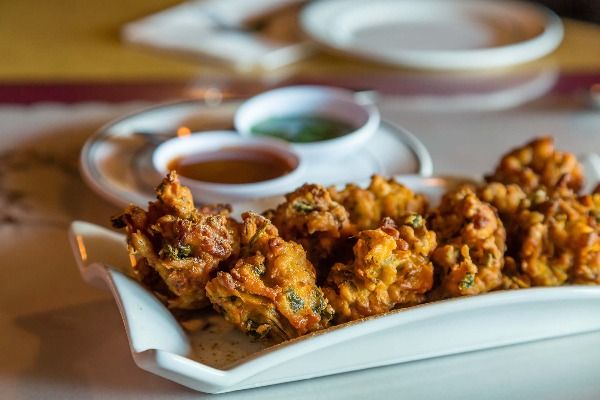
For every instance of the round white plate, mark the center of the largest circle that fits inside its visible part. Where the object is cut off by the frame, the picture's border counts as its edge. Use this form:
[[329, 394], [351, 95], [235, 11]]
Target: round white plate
[[116, 160], [435, 34]]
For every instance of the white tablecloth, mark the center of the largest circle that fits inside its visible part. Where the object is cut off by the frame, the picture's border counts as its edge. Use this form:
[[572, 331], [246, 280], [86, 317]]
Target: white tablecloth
[[60, 339]]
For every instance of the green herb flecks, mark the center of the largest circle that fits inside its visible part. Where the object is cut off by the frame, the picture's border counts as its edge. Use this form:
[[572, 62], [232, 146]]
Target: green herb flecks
[[302, 206], [259, 269], [296, 303], [177, 252], [320, 306], [414, 220], [319, 302], [467, 282], [257, 235]]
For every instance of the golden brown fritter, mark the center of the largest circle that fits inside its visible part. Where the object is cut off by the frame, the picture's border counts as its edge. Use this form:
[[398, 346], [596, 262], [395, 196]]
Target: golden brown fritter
[[538, 165], [383, 198], [509, 200], [396, 199], [363, 208], [391, 268], [310, 217], [176, 246], [471, 237], [554, 236], [271, 291], [587, 267]]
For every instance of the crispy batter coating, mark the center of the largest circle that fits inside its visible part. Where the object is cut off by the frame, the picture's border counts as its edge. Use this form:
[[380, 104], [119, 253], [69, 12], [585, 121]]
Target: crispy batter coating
[[538, 165], [509, 200], [363, 208], [554, 235], [383, 198], [178, 247], [587, 267], [469, 258], [271, 291], [391, 268], [310, 216], [396, 199]]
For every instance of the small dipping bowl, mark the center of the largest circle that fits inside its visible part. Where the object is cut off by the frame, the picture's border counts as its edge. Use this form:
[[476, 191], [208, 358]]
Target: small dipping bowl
[[218, 166], [332, 104]]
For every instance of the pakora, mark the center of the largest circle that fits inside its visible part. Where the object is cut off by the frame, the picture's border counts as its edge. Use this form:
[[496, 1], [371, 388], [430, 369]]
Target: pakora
[[310, 216], [176, 246], [553, 235], [271, 291], [472, 241], [538, 165], [391, 268], [382, 198]]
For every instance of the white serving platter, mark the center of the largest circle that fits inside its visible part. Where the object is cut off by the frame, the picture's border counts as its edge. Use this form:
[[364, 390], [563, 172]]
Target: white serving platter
[[216, 358], [116, 160], [435, 34]]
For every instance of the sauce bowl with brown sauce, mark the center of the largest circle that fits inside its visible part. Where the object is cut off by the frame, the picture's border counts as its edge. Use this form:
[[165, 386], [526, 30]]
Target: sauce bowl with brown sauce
[[222, 166]]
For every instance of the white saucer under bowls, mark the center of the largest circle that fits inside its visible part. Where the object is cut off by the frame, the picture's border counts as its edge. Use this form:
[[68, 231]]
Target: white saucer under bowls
[[227, 154], [116, 161], [315, 110], [435, 34]]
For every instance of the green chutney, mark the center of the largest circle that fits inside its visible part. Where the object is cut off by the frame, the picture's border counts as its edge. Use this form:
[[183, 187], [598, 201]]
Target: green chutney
[[302, 128]]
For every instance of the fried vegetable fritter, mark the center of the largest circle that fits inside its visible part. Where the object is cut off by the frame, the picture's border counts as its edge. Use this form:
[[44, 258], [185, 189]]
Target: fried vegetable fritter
[[271, 291], [383, 198], [176, 246], [553, 235], [538, 165], [391, 268], [587, 267], [364, 212], [310, 216], [469, 258]]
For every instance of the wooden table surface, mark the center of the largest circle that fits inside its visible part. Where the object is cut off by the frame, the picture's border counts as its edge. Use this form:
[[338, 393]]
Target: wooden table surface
[[78, 41]]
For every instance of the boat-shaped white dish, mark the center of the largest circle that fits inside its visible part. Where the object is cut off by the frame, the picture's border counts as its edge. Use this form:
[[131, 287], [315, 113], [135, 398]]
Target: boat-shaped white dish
[[211, 356]]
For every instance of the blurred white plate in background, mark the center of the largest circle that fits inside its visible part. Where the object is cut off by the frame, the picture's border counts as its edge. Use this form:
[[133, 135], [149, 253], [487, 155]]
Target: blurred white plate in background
[[435, 34]]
